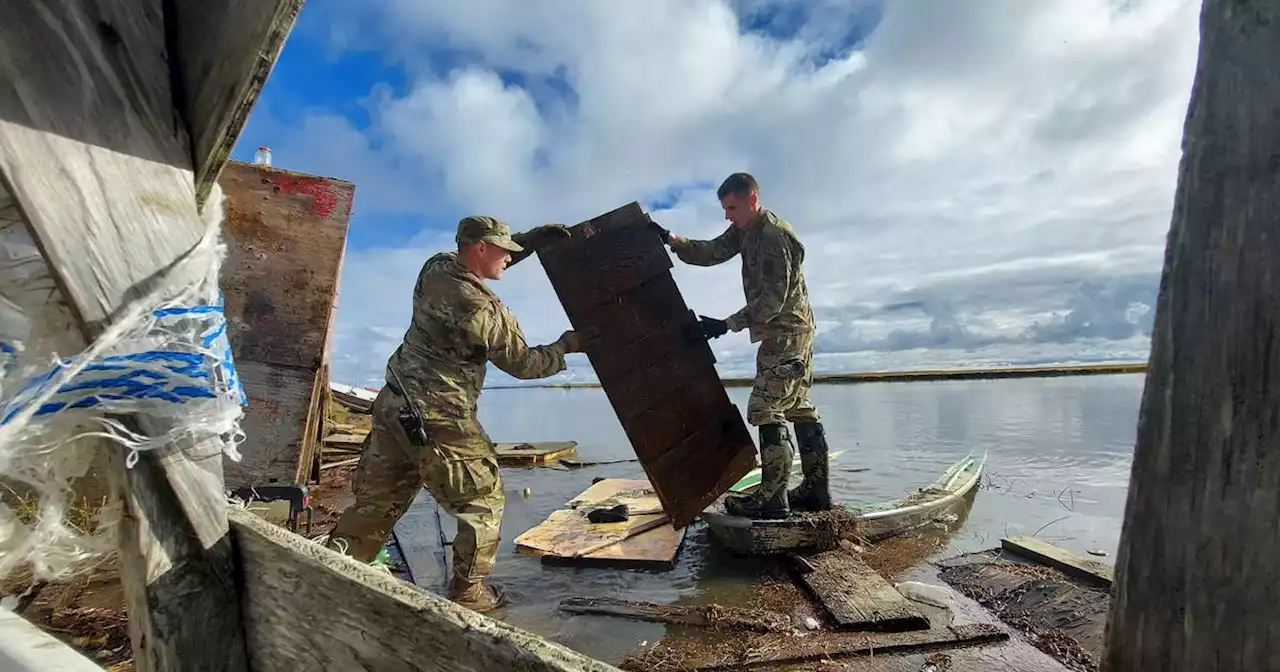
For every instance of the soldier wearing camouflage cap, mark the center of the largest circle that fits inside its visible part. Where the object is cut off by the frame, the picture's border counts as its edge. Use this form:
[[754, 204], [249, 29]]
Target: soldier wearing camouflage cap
[[779, 318], [433, 383]]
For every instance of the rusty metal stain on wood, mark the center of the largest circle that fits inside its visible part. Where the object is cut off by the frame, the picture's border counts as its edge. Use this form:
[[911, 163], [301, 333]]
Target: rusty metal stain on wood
[[614, 280], [285, 237]]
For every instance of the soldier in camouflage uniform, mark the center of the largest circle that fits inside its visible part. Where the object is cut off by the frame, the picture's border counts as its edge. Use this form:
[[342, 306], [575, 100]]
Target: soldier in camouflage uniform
[[779, 318], [458, 325]]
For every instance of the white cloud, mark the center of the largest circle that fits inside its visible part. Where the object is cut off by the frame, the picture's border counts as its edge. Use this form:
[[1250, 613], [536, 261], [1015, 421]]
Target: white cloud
[[988, 174]]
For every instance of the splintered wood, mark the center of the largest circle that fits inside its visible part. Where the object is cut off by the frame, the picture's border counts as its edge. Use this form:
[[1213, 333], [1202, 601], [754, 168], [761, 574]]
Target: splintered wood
[[857, 597], [613, 278]]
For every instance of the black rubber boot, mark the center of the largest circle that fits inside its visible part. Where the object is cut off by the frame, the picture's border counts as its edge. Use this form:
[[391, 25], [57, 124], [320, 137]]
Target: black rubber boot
[[769, 501], [813, 493]]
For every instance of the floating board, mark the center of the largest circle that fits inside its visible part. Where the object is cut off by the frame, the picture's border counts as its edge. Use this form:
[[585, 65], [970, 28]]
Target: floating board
[[646, 541], [816, 531], [532, 454]]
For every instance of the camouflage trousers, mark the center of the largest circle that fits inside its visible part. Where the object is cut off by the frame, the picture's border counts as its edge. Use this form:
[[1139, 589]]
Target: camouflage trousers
[[391, 471], [784, 374]]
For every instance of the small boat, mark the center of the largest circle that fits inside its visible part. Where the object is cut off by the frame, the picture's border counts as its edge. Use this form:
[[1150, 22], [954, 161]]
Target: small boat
[[817, 531]]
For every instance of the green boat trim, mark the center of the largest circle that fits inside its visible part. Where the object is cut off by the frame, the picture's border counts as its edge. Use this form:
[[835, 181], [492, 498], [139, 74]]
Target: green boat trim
[[752, 479]]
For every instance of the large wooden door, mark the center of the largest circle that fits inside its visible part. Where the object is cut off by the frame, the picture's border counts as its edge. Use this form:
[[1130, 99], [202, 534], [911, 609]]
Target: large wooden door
[[614, 280]]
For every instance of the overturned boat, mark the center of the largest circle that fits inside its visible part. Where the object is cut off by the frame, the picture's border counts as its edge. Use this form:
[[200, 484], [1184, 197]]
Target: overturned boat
[[818, 531]]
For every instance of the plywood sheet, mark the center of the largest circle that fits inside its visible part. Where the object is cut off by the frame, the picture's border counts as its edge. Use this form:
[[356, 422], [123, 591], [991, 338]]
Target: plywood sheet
[[613, 277], [285, 235], [566, 537]]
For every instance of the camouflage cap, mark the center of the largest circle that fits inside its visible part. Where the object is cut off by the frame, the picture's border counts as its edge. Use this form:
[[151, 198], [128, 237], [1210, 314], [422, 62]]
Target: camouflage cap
[[477, 228]]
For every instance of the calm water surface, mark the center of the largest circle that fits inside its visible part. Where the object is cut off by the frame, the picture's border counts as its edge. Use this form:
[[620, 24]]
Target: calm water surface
[[1059, 451]]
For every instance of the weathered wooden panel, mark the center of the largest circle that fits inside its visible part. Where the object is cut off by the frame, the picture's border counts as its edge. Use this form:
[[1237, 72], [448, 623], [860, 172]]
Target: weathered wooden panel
[[306, 607], [1196, 572], [223, 51], [285, 235], [275, 425], [614, 280], [857, 597], [95, 154]]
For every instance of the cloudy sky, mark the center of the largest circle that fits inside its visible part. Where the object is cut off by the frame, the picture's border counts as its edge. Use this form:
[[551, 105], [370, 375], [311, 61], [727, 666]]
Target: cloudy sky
[[975, 182]]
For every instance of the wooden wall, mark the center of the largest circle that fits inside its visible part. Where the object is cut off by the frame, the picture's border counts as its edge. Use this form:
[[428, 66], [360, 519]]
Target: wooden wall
[[285, 234]]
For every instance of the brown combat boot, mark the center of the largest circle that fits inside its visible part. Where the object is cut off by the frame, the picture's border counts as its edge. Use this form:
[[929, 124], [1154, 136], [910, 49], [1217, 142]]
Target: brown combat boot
[[476, 596]]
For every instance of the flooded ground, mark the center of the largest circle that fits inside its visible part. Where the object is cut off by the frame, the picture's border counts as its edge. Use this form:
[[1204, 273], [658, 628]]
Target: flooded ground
[[1059, 451]]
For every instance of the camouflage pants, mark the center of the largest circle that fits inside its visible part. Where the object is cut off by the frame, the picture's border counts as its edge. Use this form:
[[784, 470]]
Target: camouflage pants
[[391, 471], [784, 374]]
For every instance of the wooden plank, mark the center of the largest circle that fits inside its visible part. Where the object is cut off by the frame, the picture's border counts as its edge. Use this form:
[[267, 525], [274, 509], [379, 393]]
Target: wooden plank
[[773, 650], [530, 454], [90, 149], [1070, 563], [712, 615], [26, 648], [568, 534], [636, 493], [1196, 569], [418, 534], [274, 423], [223, 52], [857, 597], [371, 620]]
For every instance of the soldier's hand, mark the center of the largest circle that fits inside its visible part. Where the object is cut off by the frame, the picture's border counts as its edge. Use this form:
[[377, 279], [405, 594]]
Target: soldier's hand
[[706, 328], [663, 234], [570, 341], [541, 236]]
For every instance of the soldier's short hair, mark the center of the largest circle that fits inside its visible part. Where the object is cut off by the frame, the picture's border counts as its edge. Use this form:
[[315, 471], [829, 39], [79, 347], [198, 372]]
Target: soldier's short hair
[[738, 184]]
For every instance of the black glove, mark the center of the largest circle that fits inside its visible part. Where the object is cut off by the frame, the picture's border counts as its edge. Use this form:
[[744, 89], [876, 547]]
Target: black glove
[[541, 236], [663, 234], [535, 239], [706, 328]]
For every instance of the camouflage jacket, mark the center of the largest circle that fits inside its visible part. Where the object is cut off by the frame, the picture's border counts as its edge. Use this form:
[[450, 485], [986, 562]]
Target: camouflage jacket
[[772, 278], [458, 325]]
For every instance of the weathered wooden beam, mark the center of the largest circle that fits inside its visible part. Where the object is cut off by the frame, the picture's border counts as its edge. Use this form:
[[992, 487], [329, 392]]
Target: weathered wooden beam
[[93, 151], [371, 620], [1069, 563], [709, 615], [1196, 570], [221, 53]]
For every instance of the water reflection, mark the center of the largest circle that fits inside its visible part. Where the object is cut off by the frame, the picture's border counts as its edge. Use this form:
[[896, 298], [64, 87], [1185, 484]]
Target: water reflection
[[1059, 451]]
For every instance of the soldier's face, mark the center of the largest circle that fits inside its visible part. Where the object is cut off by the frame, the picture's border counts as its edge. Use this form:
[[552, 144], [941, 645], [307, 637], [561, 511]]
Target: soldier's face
[[739, 208], [493, 261]]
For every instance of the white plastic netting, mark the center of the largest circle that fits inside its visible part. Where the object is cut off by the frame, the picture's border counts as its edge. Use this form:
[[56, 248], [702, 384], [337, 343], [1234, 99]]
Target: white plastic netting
[[165, 359]]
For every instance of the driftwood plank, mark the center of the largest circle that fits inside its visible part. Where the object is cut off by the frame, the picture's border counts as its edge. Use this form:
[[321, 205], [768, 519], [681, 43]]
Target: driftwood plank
[[371, 620], [613, 278], [1196, 570], [712, 615], [1066, 561], [224, 52], [93, 151], [857, 597], [530, 454]]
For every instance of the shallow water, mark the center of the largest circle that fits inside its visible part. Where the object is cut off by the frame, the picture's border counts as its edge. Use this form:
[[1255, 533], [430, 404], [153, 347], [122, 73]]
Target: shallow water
[[1059, 451]]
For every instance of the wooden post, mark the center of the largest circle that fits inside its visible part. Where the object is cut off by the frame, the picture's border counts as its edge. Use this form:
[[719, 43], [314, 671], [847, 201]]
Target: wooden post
[[99, 160], [1196, 572]]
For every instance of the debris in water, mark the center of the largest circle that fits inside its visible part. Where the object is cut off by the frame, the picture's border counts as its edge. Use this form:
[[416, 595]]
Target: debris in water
[[1099, 553], [922, 592]]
